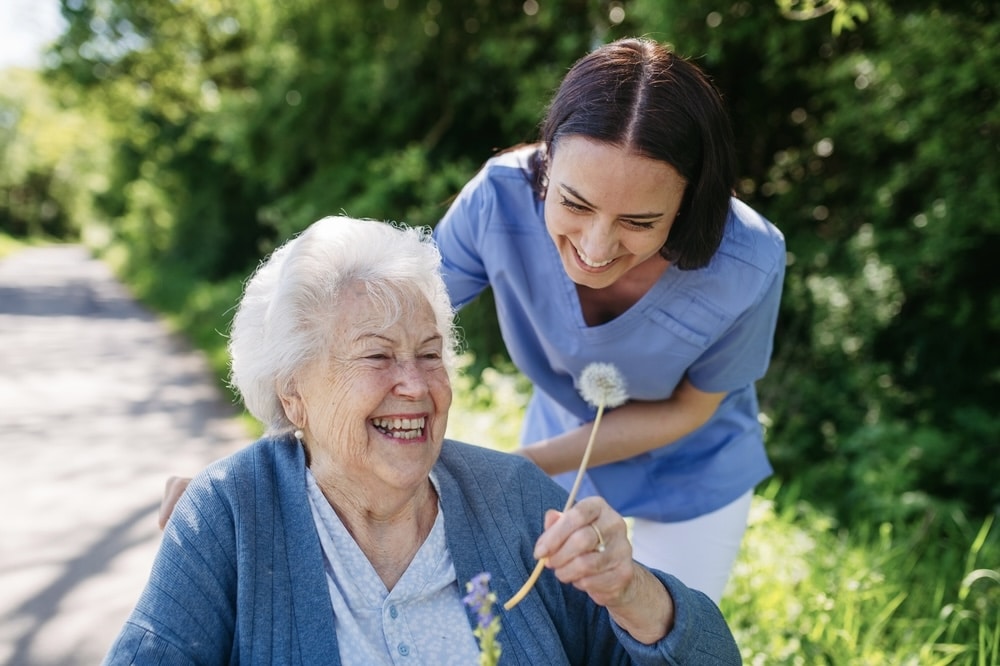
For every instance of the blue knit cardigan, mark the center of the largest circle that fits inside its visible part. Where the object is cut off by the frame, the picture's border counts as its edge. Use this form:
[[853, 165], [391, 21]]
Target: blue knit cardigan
[[239, 576]]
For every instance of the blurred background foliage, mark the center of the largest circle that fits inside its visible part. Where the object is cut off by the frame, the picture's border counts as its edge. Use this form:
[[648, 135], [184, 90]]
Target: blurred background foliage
[[184, 139]]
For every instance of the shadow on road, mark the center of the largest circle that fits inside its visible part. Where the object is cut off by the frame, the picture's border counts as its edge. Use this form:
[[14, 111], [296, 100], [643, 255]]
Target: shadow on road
[[99, 404]]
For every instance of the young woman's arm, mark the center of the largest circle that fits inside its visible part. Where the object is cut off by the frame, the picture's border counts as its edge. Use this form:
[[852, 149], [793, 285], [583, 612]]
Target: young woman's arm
[[627, 431]]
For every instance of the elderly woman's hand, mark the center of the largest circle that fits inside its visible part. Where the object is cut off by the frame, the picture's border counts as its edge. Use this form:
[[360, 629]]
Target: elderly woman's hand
[[172, 492], [588, 547]]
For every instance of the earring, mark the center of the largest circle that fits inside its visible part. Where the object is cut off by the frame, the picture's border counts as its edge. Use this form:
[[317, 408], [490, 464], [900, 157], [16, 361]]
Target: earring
[[299, 435]]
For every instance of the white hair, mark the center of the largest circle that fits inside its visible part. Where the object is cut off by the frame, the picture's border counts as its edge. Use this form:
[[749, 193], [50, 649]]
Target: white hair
[[282, 320]]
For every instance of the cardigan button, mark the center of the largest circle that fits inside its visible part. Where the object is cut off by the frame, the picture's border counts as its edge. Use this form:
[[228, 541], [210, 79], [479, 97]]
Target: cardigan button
[[404, 649], [393, 613]]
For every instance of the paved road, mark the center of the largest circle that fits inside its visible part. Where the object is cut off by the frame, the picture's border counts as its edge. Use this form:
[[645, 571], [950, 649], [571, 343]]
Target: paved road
[[98, 405]]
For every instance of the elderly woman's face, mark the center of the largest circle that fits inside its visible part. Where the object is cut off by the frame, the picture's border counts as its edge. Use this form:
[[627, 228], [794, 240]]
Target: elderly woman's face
[[378, 402]]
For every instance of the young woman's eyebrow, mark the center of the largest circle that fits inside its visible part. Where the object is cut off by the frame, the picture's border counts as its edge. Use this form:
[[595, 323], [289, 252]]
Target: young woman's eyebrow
[[637, 216]]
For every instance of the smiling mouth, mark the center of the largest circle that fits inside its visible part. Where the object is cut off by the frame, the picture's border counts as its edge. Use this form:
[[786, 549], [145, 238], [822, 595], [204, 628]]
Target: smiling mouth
[[589, 262], [401, 428]]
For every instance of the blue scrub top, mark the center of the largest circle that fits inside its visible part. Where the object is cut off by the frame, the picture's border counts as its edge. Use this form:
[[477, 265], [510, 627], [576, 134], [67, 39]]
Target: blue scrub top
[[714, 325]]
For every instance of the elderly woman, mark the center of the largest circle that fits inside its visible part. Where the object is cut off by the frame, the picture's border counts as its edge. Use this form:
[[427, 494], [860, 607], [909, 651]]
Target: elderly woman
[[347, 533]]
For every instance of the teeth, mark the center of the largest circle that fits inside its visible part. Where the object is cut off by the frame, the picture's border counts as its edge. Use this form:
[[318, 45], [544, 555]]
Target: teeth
[[592, 264], [401, 428]]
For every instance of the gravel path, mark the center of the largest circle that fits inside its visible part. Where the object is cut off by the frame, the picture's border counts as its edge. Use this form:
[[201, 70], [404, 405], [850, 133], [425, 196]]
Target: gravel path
[[99, 403]]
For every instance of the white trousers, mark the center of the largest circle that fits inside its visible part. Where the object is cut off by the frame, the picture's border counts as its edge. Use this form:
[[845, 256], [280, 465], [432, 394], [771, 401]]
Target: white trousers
[[700, 551]]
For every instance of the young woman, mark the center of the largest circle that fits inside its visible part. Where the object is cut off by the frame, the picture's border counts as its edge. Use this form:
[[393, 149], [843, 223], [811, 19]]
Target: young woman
[[616, 239]]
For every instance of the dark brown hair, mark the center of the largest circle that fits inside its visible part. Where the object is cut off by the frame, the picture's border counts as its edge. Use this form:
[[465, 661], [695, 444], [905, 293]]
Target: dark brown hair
[[639, 95]]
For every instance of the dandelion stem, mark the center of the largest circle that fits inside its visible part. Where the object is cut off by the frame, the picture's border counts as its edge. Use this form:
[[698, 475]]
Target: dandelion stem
[[585, 460], [530, 583]]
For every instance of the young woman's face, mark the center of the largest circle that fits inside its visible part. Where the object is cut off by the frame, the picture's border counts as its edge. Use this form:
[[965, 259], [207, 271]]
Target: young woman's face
[[607, 209]]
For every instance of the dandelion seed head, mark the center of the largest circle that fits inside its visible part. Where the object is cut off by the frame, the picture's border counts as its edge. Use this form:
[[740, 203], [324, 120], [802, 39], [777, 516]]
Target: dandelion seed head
[[602, 384]]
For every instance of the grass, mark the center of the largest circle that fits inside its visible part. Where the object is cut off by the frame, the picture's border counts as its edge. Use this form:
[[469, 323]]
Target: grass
[[805, 591], [8, 245]]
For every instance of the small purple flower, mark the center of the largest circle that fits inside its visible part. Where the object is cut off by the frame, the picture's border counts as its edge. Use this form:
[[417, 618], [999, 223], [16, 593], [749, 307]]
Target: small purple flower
[[480, 599]]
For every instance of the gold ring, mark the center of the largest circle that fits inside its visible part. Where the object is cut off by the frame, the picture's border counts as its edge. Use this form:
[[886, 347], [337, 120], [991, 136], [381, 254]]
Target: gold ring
[[600, 538]]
